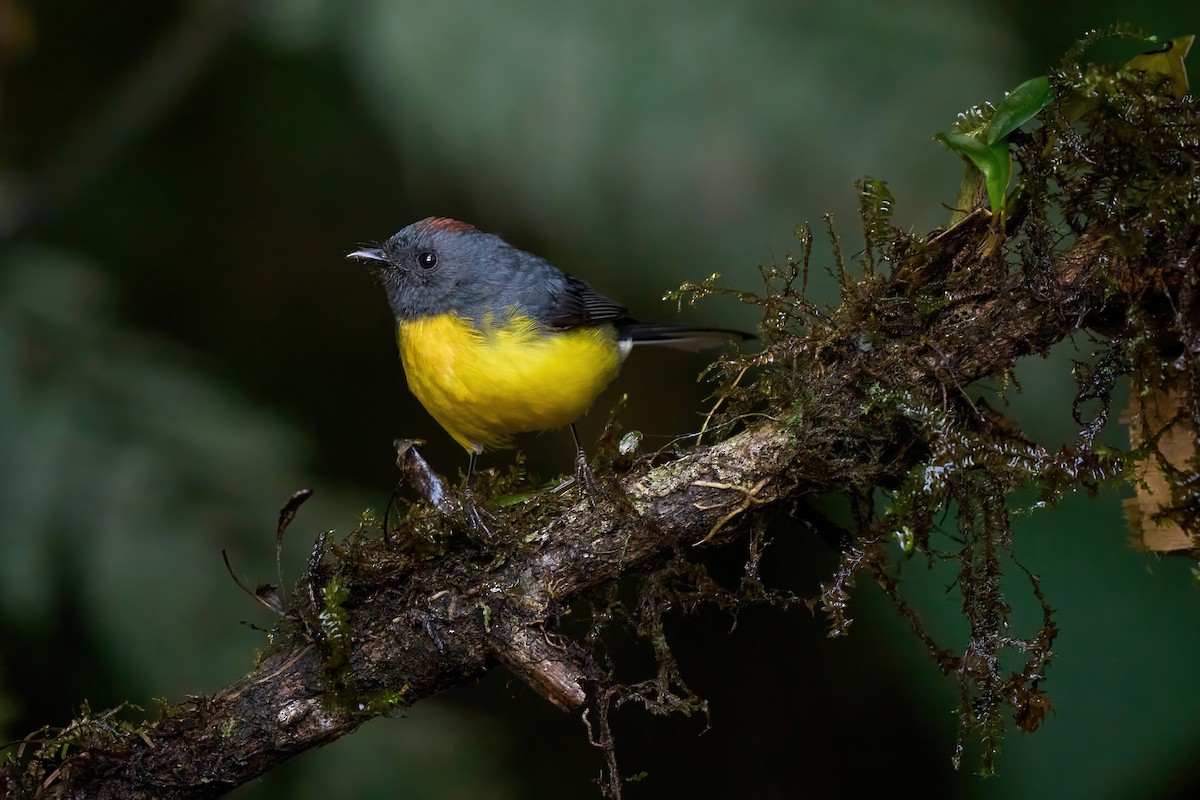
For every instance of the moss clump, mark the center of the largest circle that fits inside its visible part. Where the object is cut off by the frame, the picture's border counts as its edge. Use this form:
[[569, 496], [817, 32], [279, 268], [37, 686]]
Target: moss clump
[[1101, 231]]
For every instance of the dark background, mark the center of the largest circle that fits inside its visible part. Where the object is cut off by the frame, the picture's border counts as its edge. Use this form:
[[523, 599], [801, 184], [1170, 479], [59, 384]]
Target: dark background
[[182, 345]]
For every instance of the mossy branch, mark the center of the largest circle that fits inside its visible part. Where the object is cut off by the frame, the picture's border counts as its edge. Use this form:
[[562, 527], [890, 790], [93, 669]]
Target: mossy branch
[[417, 627]]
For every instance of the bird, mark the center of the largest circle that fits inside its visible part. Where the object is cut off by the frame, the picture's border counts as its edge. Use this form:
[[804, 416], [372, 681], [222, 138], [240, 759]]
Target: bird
[[496, 341]]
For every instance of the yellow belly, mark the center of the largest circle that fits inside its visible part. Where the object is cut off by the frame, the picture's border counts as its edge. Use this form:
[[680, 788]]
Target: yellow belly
[[484, 386]]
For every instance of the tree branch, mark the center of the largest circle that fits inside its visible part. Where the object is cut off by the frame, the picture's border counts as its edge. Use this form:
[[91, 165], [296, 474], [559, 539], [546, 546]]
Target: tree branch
[[415, 628]]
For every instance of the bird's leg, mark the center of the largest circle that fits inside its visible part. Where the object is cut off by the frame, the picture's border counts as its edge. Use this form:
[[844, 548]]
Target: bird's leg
[[477, 516], [584, 478]]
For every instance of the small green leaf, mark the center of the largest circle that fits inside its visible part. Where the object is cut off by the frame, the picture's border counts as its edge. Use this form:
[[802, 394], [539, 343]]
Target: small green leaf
[[966, 145], [994, 162], [1018, 107], [513, 498]]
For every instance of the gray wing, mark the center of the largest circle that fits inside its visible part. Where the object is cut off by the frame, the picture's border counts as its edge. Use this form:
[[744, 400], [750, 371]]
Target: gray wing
[[573, 303]]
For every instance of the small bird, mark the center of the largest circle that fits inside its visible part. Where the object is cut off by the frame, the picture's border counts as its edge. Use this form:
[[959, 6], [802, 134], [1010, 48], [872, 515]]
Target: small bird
[[496, 341]]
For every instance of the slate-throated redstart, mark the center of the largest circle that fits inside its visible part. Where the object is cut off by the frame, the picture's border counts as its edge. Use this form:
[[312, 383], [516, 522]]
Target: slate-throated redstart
[[497, 341]]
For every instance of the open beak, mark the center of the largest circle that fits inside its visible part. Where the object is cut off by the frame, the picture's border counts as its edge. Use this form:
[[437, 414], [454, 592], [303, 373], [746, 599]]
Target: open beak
[[369, 254]]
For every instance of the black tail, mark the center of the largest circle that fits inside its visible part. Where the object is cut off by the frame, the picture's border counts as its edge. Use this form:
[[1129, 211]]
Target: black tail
[[678, 336]]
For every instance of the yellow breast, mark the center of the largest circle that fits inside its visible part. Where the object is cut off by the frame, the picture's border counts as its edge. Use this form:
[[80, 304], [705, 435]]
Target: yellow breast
[[483, 386]]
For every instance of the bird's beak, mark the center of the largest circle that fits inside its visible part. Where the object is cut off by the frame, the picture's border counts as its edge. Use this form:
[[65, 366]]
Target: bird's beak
[[369, 254]]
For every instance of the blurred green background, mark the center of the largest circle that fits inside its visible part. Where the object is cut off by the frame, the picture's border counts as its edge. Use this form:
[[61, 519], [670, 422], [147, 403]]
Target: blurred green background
[[183, 346]]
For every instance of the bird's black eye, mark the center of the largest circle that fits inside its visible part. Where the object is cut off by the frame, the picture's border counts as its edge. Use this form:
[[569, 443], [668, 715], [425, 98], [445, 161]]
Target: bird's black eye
[[427, 259]]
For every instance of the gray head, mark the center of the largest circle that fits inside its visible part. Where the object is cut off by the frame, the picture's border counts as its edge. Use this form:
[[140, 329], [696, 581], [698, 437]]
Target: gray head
[[437, 266]]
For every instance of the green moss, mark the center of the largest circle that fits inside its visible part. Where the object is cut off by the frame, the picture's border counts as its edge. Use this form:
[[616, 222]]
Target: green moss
[[37, 761], [335, 623], [228, 727]]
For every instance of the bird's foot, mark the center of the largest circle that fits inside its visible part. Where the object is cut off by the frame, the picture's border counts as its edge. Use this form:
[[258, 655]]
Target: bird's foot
[[585, 479], [479, 519]]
